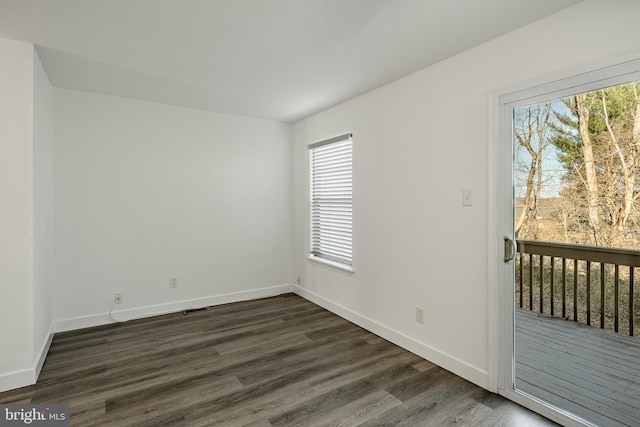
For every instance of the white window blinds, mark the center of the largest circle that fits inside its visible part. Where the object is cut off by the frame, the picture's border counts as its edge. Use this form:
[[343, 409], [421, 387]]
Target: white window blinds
[[331, 199]]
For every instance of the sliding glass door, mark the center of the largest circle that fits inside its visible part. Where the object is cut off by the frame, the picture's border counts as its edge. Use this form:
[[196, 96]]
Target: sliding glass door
[[570, 290]]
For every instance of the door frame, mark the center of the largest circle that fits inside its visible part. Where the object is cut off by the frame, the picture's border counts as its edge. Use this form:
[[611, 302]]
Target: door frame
[[608, 71]]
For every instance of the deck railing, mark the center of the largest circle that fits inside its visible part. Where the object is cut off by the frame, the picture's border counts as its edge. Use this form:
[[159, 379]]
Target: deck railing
[[586, 284]]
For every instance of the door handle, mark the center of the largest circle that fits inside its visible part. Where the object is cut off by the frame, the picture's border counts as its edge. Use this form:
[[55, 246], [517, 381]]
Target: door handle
[[510, 249]]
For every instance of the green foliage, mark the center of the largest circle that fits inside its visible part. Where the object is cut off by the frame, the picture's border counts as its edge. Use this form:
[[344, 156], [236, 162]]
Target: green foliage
[[565, 136]]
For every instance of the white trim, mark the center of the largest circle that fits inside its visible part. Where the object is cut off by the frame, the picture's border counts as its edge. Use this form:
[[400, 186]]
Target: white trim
[[503, 278], [332, 265], [557, 415], [44, 350], [582, 73], [440, 358], [330, 141], [27, 377], [170, 307], [493, 324], [17, 379]]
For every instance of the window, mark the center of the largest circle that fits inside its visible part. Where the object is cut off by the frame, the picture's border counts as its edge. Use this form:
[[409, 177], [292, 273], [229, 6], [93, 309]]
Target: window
[[330, 164]]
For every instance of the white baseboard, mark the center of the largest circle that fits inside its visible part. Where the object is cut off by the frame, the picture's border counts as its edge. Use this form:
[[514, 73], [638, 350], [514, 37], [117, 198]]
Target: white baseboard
[[26, 377], [440, 358], [42, 355], [17, 379], [165, 308]]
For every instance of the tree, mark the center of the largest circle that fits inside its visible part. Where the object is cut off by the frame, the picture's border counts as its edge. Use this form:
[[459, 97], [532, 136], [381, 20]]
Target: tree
[[598, 139], [530, 126], [621, 117]]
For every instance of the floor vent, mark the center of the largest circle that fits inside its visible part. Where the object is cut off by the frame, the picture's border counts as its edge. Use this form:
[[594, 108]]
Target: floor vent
[[194, 310]]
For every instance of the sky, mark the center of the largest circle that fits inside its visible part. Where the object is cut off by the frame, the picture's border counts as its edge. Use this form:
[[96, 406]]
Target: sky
[[553, 170]]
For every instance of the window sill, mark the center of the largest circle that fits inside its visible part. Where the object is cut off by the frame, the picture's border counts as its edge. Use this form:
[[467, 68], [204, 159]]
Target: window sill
[[332, 265]]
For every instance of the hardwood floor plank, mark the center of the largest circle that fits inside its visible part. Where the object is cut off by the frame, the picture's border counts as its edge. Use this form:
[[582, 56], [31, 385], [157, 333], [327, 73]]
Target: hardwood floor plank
[[259, 423], [170, 391], [354, 413], [86, 412], [418, 383], [259, 338], [293, 378], [332, 400], [423, 365], [136, 408], [374, 369], [19, 395], [386, 368], [463, 411], [417, 410], [321, 382]]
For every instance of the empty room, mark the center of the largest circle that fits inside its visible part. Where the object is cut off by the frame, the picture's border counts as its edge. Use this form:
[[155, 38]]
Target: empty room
[[319, 212]]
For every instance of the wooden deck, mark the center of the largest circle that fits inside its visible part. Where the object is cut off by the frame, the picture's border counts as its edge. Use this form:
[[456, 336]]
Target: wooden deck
[[588, 371]]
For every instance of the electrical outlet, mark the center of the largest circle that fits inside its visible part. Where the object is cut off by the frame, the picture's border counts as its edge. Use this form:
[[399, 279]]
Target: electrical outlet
[[173, 282], [299, 280], [420, 315], [117, 298]]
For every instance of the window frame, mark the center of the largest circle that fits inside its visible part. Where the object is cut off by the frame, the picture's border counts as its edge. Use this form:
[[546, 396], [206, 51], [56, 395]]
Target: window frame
[[333, 261]]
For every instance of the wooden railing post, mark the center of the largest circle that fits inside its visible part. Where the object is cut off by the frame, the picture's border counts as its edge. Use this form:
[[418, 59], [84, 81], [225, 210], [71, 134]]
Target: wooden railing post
[[541, 284], [589, 293], [553, 293], [564, 288], [530, 281], [602, 290], [575, 290], [631, 313], [520, 256]]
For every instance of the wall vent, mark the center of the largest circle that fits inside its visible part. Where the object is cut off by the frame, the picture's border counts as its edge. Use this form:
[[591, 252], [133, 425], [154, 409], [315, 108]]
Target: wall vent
[[194, 310]]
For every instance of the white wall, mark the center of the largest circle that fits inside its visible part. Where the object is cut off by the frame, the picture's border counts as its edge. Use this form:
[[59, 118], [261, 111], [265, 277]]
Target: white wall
[[145, 191], [16, 210], [26, 205], [43, 211], [417, 143]]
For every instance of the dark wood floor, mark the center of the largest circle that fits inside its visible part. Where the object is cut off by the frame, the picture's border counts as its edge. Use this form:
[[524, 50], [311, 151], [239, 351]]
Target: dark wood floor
[[272, 362]]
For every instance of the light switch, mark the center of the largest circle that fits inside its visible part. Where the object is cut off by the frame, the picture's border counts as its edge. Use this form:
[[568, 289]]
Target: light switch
[[467, 197]]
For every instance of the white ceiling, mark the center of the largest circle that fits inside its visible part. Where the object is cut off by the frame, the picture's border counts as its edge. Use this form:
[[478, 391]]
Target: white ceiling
[[275, 59]]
